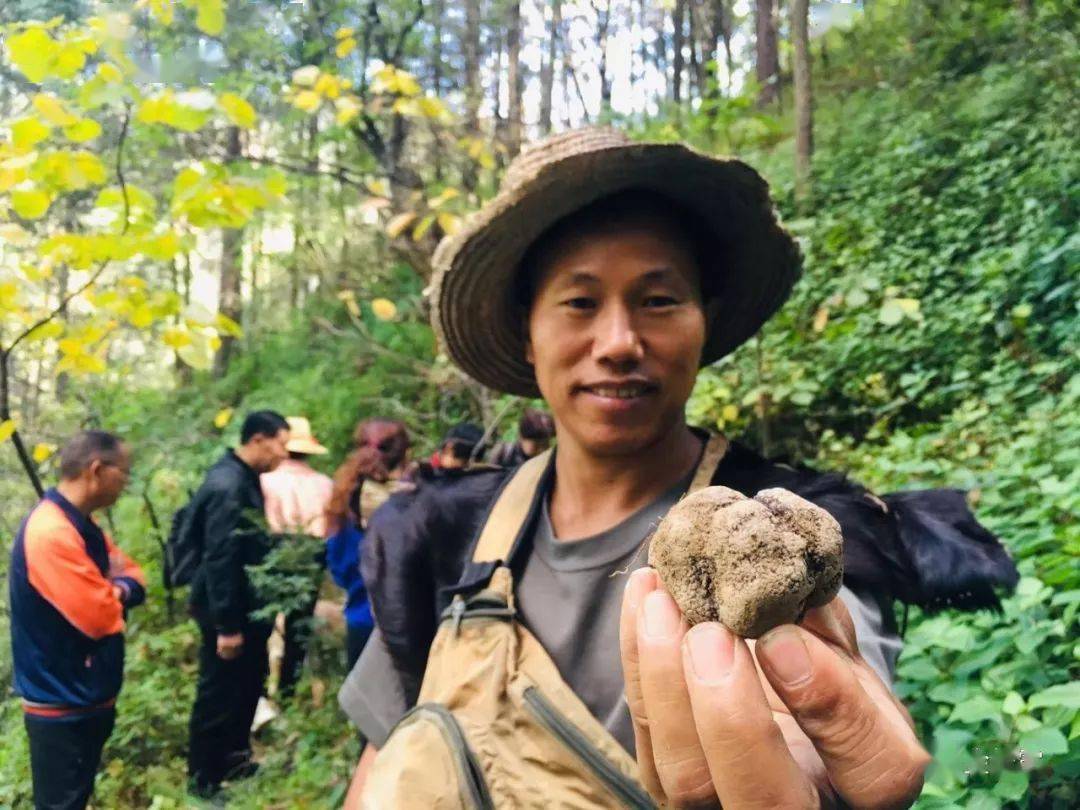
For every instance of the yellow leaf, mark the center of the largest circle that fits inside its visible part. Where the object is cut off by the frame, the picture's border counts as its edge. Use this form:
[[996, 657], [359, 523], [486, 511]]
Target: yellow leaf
[[197, 355], [443, 197], [729, 413], [348, 297], [343, 33], [162, 11], [42, 451], [378, 188], [175, 338], [910, 306], [26, 132], [449, 223], [399, 223], [222, 418], [110, 72], [142, 317], [227, 325], [30, 203], [33, 52], [53, 111], [52, 329], [384, 309], [328, 85], [85, 129], [237, 110], [821, 319], [305, 76], [422, 227], [344, 47], [307, 100], [210, 16], [7, 428]]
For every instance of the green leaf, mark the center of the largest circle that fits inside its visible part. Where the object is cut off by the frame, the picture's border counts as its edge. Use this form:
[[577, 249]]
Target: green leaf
[[1011, 786], [1013, 704], [1045, 740], [975, 710], [1062, 694]]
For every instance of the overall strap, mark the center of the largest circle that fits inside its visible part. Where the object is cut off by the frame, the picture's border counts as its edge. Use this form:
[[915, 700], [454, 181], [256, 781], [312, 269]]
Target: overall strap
[[511, 510]]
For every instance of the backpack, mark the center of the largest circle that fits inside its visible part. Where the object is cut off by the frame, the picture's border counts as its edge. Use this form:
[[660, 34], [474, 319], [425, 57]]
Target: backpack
[[495, 724], [183, 549]]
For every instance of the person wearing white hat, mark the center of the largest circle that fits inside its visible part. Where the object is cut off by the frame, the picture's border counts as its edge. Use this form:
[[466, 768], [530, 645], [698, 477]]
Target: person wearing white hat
[[296, 496]]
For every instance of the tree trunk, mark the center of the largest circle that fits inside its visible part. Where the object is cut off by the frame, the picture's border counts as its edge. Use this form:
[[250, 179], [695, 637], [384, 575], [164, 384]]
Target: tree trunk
[[473, 90], [700, 52], [437, 50], [513, 78], [232, 240], [767, 62], [547, 71], [603, 25], [1026, 7], [678, 18], [804, 100], [723, 29]]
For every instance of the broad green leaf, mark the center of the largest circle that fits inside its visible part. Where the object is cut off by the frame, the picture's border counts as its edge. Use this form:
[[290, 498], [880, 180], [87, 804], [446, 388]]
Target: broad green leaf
[[1062, 694], [26, 132], [975, 710], [1013, 704], [1012, 785], [237, 110], [33, 52], [30, 203], [1045, 741]]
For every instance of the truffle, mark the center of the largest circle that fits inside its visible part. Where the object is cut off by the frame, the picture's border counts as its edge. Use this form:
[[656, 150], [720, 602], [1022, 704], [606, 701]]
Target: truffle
[[749, 563]]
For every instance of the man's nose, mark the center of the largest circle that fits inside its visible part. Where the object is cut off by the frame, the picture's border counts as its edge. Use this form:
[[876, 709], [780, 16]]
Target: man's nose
[[617, 340]]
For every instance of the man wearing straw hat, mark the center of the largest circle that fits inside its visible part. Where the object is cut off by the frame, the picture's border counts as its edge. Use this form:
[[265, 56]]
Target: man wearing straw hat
[[602, 277], [296, 496]]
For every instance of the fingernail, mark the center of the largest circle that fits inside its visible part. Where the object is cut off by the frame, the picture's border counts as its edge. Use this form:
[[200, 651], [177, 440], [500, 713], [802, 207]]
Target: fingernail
[[785, 654], [712, 651], [642, 579], [661, 615]]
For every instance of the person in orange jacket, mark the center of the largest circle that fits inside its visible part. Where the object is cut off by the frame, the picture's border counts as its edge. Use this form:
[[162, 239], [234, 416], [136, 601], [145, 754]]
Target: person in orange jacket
[[70, 589]]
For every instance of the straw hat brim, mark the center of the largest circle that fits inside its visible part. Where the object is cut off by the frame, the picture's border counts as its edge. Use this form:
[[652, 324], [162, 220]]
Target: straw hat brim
[[305, 445], [474, 311]]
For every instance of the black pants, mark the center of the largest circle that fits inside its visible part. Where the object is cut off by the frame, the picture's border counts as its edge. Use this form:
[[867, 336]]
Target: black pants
[[64, 758], [226, 697], [298, 629]]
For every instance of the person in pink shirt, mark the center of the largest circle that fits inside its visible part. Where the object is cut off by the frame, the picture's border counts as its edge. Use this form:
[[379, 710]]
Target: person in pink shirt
[[296, 497]]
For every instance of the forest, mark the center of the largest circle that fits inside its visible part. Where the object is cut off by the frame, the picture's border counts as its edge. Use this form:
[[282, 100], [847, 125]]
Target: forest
[[213, 206]]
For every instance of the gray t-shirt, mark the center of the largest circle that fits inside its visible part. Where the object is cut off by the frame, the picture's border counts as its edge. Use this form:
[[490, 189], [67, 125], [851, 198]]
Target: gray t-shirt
[[569, 596]]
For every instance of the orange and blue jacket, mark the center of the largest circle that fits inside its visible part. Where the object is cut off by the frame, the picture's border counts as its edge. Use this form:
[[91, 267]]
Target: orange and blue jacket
[[67, 619]]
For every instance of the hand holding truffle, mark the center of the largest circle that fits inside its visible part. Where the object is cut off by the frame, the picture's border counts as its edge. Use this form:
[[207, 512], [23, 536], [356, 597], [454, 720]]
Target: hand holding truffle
[[807, 724]]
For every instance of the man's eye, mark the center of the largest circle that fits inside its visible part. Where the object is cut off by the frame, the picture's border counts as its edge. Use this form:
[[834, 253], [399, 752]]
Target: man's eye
[[581, 302], [659, 301]]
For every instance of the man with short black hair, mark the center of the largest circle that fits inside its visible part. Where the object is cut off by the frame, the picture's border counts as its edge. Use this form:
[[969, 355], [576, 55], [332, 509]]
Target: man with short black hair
[[70, 588], [227, 517], [460, 446]]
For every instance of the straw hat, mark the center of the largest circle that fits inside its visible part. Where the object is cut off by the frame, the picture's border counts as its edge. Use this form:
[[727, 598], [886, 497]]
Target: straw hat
[[474, 311], [301, 439]]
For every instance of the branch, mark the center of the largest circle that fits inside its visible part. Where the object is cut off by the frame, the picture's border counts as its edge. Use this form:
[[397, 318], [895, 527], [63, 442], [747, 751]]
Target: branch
[[339, 173], [399, 46]]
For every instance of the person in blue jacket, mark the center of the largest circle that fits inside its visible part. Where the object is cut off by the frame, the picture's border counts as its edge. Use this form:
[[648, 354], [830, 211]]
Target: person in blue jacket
[[362, 484]]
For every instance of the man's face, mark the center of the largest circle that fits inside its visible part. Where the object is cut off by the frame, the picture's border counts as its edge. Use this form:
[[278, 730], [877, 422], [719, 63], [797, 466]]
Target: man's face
[[106, 478], [271, 450], [616, 331]]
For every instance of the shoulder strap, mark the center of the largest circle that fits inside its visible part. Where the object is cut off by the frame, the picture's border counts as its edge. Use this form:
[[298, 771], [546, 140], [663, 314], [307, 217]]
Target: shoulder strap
[[511, 510], [515, 502]]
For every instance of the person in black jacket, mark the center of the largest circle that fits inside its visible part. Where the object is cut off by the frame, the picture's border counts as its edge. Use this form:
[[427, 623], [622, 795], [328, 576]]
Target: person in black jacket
[[227, 514]]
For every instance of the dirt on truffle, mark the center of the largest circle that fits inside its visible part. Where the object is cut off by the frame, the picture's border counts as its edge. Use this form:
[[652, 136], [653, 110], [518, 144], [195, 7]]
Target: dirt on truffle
[[750, 563]]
